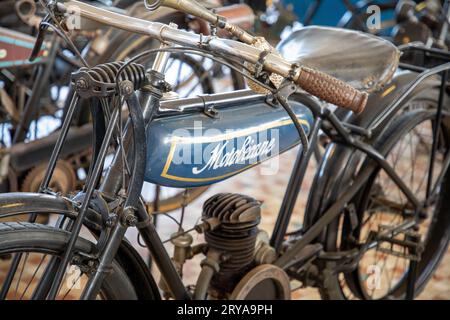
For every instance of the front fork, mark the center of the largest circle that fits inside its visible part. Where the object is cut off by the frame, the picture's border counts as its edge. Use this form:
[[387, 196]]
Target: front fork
[[133, 212]]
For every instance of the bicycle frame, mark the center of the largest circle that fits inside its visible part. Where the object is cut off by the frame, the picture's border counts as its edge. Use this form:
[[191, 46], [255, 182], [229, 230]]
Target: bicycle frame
[[142, 112]]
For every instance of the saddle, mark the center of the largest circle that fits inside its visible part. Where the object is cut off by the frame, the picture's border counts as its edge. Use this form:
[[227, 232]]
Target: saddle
[[365, 61]]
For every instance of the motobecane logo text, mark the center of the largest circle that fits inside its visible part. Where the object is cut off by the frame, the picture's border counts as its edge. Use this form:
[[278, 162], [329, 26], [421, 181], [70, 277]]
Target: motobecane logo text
[[249, 151]]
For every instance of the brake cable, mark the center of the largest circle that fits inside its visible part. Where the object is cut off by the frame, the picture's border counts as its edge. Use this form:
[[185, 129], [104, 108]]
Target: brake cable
[[283, 100], [61, 32]]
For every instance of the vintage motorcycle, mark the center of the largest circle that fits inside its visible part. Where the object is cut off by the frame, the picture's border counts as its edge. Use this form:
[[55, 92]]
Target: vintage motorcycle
[[378, 199]]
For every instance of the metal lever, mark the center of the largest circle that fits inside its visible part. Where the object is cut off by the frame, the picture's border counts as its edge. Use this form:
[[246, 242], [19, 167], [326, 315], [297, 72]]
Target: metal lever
[[40, 38]]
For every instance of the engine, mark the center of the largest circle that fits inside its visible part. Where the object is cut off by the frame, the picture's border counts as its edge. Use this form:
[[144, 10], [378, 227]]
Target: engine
[[239, 260], [235, 238], [244, 268]]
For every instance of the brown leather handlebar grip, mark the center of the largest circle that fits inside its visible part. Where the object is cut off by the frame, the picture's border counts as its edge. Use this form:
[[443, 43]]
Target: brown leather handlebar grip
[[332, 90]]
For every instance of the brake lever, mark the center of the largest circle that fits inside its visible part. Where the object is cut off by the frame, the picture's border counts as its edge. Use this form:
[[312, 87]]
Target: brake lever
[[43, 26]]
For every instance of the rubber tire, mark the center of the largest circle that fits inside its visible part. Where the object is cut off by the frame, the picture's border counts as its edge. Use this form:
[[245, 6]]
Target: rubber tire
[[41, 238]]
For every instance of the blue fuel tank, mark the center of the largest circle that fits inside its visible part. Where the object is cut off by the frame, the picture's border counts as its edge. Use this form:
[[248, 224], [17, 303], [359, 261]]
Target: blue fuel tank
[[187, 147]]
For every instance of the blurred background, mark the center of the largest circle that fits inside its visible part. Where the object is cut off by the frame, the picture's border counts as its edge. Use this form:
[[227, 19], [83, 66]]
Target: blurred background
[[274, 20]]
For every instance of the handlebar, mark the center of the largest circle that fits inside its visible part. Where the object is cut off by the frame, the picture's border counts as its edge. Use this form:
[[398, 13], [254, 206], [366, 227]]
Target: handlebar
[[317, 83], [332, 90], [39, 41]]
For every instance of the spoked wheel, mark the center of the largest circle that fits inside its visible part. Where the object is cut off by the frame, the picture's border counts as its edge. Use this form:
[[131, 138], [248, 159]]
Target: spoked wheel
[[35, 249], [388, 225]]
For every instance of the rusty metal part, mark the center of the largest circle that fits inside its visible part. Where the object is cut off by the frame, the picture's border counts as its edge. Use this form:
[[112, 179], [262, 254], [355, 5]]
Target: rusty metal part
[[26, 10], [235, 237], [208, 224], [10, 107], [241, 15], [274, 78], [264, 253], [182, 249], [265, 282], [63, 180], [238, 14], [210, 266]]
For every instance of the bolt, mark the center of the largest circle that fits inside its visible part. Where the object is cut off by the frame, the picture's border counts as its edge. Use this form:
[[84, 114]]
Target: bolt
[[111, 221], [167, 86], [129, 217], [420, 248], [131, 220], [82, 84], [127, 87], [211, 111], [76, 260]]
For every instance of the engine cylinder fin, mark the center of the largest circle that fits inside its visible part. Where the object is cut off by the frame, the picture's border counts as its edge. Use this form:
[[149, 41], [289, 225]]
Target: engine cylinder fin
[[235, 238]]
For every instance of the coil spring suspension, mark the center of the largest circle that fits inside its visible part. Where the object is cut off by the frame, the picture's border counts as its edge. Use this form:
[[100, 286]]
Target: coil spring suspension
[[239, 216], [100, 81]]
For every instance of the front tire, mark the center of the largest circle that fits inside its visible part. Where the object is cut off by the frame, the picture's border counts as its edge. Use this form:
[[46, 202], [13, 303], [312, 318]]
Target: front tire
[[37, 244]]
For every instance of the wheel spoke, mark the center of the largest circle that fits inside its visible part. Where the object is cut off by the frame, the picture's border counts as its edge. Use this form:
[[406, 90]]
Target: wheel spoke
[[33, 276], [386, 206], [21, 274]]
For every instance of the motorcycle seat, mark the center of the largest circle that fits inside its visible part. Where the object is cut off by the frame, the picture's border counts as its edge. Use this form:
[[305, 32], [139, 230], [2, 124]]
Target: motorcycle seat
[[365, 61]]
